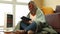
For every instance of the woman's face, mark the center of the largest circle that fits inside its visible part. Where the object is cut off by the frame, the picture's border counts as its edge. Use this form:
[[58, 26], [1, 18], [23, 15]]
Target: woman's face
[[32, 8]]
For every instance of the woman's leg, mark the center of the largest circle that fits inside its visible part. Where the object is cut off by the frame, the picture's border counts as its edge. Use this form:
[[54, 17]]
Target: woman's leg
[[32, 27], [23, 25]]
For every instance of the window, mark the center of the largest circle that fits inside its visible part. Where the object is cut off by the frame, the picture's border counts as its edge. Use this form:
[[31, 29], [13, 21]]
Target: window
[[18, 9], [5, 0], [21, 10], [4, 8], [24, 1]]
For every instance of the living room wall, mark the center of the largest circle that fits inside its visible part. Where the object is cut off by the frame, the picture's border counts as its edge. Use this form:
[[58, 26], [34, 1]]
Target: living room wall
[[39, 3], [51, 3]]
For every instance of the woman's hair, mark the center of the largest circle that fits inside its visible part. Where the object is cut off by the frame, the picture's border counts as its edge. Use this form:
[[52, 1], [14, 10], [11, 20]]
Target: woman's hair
[[32, 2]]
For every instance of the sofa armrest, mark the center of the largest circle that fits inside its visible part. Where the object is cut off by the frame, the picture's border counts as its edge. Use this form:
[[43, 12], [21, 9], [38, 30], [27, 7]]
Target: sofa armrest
[[54, 20]]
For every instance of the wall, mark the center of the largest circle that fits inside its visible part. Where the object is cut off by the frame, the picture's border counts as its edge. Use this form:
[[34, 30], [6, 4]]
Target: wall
[[51, 3], [39, 3]]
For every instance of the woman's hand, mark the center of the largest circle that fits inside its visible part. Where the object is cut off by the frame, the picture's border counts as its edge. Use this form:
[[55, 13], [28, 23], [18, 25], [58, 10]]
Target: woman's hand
[[30, 21]]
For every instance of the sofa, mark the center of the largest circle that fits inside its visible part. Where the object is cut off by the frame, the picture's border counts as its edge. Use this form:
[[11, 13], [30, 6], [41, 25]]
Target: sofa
[[53, 19]]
